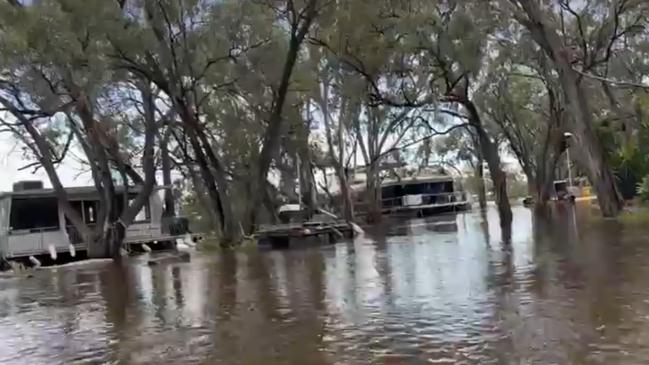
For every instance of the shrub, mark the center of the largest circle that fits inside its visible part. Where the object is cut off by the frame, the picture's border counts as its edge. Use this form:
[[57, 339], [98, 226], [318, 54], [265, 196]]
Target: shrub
[[643, 189]]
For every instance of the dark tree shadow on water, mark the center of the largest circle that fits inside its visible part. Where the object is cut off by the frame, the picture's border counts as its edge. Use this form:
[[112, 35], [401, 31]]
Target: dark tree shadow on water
[[484, 226]]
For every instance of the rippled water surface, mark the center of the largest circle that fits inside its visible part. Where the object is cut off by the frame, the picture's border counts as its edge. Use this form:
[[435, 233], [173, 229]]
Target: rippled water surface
[[571, 290]]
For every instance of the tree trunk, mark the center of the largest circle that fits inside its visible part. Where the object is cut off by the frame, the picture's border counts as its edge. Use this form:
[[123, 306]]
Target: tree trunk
[[532, 186], [212, 174], [307, 184], [169, 201], [592, 152], [592, 156], [203, 198], [482, 189], [489, 151], [112, 240], [547, 166], [173, 84], [270, 203], [373, 193], [230, 229], [116, 220], [288, 179], [544, 189], [108, 214], [272, 136], [130, 211], [345, 195]]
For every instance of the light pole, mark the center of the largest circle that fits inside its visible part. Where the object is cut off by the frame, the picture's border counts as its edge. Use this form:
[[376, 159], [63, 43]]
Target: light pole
[[568, 135]]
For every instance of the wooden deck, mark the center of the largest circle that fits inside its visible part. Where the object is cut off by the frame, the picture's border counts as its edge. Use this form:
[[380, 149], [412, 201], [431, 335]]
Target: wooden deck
[[302, 234]]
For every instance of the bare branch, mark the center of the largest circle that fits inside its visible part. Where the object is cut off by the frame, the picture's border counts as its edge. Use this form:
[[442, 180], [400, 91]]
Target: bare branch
[[624, 84], [417, 141]]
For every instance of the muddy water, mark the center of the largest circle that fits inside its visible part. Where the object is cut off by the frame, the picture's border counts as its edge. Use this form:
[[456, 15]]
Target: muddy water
[[570, 290]]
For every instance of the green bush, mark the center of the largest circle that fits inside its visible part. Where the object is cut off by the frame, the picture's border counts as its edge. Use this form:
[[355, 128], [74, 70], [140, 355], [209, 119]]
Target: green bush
[[643, 189]]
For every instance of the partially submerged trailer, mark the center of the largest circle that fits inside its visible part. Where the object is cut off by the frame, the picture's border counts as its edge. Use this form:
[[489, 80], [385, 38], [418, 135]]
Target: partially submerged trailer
[[32, 221]]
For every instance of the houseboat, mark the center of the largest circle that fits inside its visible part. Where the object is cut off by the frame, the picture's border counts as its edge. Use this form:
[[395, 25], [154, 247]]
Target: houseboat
[[32, 222], [419, 196], [422, 196]]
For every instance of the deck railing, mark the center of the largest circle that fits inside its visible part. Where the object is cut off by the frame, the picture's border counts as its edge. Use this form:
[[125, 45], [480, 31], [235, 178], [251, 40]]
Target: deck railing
[[31, 241], [423, 199], [416, 200]]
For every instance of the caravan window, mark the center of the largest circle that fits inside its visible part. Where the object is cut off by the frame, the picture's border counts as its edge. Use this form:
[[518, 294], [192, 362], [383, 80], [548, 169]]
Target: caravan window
[[34, 213], [90, 209]]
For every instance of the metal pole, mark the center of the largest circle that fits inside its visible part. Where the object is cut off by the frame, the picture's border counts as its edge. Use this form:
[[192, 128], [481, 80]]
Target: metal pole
[[569, 168]]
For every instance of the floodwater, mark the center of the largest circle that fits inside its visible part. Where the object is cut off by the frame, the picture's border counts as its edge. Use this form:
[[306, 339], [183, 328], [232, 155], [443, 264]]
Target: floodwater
[[571, 290]]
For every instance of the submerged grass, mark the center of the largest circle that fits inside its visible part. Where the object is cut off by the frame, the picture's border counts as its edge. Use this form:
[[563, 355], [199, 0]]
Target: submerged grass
[[636, 217]]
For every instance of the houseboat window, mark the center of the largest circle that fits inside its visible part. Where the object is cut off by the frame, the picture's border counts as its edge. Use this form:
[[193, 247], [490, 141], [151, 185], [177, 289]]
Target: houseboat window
[[34, 213], [389, 191], [448, 187], [423, 188], [90, 211]]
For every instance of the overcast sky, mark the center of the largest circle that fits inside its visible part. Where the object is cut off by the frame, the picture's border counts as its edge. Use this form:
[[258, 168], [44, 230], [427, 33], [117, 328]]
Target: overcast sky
[[11, 160]]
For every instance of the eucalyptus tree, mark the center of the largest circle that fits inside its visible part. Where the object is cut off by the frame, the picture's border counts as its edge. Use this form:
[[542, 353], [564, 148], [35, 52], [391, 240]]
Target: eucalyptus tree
[[196, 51], [455, 43], [581, 39], [522, 97], [337, 98], [396, 110]]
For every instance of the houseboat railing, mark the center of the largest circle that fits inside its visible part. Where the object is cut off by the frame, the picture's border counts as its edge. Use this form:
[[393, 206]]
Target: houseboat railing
[[423, 199], [417, 200], [136, 231], [31, 240]]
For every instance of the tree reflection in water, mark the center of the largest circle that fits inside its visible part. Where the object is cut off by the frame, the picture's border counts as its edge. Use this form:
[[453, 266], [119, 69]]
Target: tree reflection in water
[[567, 289]]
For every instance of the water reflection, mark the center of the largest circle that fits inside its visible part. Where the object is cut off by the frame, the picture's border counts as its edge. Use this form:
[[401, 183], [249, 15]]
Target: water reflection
[[567, 289]]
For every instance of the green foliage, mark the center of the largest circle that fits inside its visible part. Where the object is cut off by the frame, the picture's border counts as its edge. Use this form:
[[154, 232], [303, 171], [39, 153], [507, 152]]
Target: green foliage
[[226, 58], [643, 189], [628, 154]]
